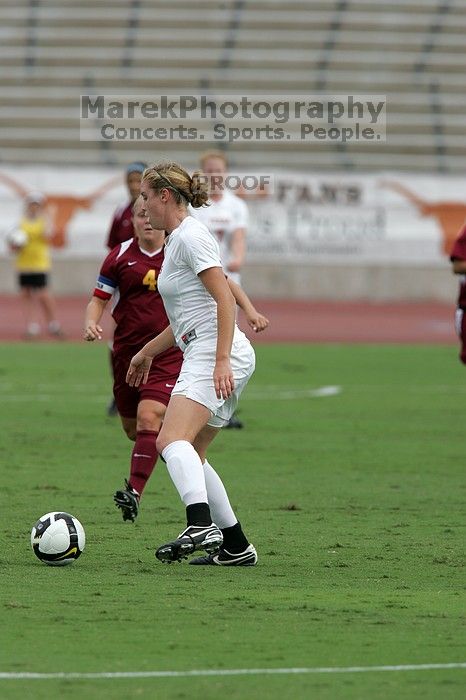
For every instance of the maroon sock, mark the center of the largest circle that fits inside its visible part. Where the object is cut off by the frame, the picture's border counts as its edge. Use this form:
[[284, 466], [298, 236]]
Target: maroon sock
[[143, 459]]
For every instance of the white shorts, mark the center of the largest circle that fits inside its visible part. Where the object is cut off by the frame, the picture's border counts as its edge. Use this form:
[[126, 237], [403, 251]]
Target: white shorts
[[196, 378]]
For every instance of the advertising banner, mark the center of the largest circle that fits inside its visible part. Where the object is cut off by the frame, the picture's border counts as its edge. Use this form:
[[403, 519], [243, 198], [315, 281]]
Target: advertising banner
[[295, 217]]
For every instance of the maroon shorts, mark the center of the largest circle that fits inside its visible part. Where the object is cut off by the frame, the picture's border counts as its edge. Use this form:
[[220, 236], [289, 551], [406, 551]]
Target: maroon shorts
[[159, 386]]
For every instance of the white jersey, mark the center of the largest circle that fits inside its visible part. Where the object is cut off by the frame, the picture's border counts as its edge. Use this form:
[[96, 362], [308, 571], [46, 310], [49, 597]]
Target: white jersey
[[222, 218], [191, 310]]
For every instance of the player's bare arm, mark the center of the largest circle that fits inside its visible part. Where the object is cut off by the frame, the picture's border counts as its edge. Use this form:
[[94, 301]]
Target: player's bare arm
[[238, 250], [214, 281], [459, 267], [94, 311], [255, 320]]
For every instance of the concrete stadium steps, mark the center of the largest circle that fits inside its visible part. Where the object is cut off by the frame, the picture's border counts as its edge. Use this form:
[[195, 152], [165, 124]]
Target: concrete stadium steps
[[55, 134], [263, 16], [63, 113], [400, 101], [283, 81], [411, 50], [98, 15], [401, 40], [268, 160], [210, 57], [407, 144]]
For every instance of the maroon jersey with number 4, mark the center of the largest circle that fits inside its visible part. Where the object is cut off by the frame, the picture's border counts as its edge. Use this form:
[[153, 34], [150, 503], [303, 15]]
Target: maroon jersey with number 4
[[459, 253], [130, 275]]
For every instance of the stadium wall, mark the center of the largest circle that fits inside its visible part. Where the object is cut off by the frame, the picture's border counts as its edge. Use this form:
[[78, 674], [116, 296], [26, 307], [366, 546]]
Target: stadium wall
[[376, 283]]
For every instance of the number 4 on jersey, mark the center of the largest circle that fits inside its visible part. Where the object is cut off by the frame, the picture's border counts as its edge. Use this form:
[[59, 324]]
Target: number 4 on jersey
[[150, 280]]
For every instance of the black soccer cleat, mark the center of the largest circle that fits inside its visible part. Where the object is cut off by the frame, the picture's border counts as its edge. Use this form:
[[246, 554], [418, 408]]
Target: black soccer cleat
[[222, 557], [112, 409], [195, 537], [234, 423], [128, 501]]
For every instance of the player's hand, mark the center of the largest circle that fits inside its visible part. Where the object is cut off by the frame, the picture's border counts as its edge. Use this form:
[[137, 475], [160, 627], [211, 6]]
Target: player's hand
[[138, 370], [234, 266], [92, 332], [257, 321], [223, 379]]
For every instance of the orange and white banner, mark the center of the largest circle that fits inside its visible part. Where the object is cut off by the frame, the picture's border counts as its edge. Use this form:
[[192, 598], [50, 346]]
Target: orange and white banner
[[356, 218], [336, 217]]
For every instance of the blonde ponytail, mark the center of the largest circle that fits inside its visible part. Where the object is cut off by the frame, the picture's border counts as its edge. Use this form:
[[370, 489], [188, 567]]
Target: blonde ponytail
[[185, 189], [199, 190]]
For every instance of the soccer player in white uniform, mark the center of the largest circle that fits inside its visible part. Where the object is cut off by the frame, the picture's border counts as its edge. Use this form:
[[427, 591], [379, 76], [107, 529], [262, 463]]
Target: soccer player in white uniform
[[218, 361], [227, 219]]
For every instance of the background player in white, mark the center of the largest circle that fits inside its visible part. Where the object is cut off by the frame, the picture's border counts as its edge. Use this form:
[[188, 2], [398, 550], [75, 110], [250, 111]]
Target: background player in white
[[227, 219], [226, 216], [217, 363]]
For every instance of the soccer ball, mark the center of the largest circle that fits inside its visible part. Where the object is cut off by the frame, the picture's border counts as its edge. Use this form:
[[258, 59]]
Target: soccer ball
[[58, 539], [17, 238]]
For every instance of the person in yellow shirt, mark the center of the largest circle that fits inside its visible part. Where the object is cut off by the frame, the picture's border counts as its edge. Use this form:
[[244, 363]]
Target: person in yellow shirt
[[33, 265]]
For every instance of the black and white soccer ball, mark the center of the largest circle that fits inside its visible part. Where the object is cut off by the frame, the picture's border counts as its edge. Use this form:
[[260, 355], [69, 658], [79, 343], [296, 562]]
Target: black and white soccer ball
[[58, 539]]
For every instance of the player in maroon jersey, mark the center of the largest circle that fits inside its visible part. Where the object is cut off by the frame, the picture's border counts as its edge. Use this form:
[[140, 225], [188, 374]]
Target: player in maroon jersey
[[129, 274], [122, 224], [458, 259], [121, 230]]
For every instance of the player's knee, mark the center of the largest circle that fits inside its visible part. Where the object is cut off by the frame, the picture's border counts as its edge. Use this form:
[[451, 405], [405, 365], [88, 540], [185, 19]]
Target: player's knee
[[149, 420], [131, 434], [130, 431]]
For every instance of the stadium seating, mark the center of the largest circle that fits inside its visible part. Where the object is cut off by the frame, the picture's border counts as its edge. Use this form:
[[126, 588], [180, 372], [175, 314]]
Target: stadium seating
[[412, 51]]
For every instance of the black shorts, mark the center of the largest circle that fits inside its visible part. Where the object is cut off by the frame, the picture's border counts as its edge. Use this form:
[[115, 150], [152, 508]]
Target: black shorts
[[36, 280]]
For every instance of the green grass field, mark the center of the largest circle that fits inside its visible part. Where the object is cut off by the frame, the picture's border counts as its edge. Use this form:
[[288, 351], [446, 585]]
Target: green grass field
[[354, 502]]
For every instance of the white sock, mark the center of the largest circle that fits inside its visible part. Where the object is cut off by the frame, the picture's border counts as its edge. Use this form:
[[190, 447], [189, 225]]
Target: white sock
[[186, 472], [220, 508]]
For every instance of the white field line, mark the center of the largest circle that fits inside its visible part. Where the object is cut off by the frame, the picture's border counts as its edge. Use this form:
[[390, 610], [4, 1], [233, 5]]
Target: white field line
[[10, 393], [267, 393], [281, 394], [14, 392], [230, 672]]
